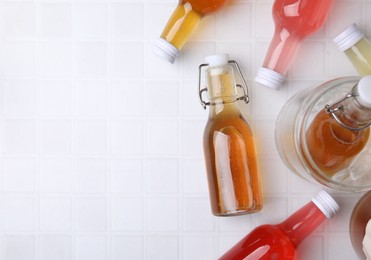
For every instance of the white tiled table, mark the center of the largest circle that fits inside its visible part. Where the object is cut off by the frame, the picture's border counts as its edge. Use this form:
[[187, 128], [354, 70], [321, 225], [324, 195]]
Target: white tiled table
[[100, 147]]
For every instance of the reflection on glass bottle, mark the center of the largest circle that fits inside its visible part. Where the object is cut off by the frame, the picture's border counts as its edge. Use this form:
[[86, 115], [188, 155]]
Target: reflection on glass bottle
[[229, 148], [281, 240], [184, 20], [356, 47], [338, 133], [294, 20]]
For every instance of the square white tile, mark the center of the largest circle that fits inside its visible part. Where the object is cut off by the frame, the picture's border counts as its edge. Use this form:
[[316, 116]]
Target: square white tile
[[55, 214], [93, 247], [19, 174], [19, 247], [54, 20], [90, 175], [162, 214], [162, 176], [127, 247], [91, 214], [20, 214], [57, 247], [126, 175], [127, 214], [55, 175]]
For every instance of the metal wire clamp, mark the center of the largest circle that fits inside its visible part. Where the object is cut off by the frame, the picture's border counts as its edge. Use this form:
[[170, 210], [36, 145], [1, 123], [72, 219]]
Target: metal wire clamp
[[332, 109]]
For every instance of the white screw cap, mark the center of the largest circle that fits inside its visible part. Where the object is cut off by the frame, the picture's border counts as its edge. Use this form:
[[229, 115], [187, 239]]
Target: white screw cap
[[348, 37], [217, 60], [325, 203], [270, 78], [364, 91], [165, 50]]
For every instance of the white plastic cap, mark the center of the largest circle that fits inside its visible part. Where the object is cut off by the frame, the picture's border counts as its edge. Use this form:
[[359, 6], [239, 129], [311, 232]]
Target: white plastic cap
[[270, 78], [326, 203], [364, 91], [165, 50], [348, 38], [217, 59]]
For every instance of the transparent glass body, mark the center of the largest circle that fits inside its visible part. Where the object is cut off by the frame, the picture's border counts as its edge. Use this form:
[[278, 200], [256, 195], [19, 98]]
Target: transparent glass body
[[361, 214], [229, 149], [294, 20], [278, 241], [360, 56], [185, 19], [323, 159]]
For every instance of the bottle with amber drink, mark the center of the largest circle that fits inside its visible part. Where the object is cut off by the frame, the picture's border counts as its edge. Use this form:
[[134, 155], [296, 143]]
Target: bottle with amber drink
[[184, 20], [229, 149], [339, 132], [322, 134]]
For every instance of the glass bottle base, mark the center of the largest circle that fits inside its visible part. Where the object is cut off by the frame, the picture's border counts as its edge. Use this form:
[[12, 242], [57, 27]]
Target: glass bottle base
[[232, 213]]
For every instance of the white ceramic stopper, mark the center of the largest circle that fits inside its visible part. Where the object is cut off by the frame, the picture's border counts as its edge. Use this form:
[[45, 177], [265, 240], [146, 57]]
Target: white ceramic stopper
[[217, 60], [364, 91]]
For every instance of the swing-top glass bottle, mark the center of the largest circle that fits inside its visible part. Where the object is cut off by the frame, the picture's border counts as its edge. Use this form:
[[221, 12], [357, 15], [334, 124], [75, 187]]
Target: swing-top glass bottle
[[229, 148]]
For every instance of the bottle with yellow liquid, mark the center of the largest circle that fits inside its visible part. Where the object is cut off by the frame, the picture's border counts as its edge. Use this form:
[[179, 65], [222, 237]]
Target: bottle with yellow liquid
[[184, 20], [231, 163], [357, 48]]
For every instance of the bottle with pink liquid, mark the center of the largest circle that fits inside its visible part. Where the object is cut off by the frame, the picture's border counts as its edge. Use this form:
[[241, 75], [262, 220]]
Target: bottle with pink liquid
[[294, 21]]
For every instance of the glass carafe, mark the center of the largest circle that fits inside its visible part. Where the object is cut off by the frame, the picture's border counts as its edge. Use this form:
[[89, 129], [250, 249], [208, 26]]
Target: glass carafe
[[296, 121]]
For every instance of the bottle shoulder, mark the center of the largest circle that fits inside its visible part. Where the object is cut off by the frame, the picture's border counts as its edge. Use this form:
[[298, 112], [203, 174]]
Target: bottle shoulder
[[304, 16], [273, 239], [218, 123]]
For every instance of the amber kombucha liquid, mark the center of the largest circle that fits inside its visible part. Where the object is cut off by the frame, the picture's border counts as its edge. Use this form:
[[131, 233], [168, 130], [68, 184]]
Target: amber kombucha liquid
[[231, 164], [331, 146]]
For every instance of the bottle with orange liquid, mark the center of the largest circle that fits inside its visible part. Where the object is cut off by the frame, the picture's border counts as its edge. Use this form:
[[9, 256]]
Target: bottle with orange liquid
[[184, 20], [294, 21], [280, 241], [231, 163], [322, 134], [339, 132]]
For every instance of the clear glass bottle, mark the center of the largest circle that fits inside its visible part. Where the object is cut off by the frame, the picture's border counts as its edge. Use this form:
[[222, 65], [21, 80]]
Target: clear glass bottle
[[356, 47], [229, 148], [280, 241], [294, 21], [184, 20], [326, 143]]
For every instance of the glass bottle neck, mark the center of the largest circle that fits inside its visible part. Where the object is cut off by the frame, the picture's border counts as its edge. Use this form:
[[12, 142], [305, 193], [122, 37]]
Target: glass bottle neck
[[282, 49], [181, 24], [352, 113], [221, 90], [219, 108], [302, 223]]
